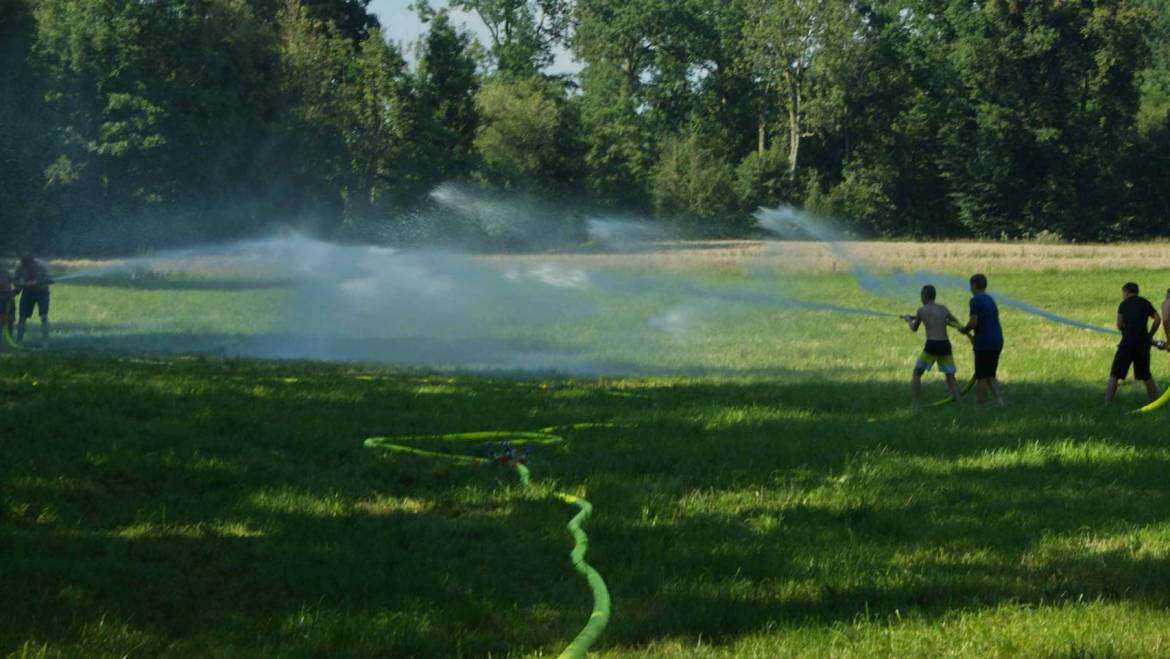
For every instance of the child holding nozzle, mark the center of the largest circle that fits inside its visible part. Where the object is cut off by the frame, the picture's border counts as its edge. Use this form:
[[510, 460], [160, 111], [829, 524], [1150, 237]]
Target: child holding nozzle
[[938, 349], [32, 277]]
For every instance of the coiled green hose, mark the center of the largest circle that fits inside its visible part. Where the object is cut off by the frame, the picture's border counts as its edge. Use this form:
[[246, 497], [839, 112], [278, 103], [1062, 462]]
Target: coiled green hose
[[599, 617]]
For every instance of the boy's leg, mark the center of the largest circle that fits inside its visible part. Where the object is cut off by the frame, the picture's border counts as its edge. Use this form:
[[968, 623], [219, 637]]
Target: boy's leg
[[1110, 390], [916, 387], [1141, 371], [946, 366], [1122, 360], [996, 390], [26, 311], [953, 384], [43, 308], [981, 391]]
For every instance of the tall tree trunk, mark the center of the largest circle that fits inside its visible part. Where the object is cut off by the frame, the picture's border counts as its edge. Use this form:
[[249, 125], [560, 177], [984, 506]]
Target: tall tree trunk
[[761, 136], [793, 129]]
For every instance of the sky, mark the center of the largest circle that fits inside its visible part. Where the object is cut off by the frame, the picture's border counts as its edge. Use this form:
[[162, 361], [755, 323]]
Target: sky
[[400, 24]]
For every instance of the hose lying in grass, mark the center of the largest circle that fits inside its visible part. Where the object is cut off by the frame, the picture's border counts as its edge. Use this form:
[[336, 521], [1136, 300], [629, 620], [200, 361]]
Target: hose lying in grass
[[970, 384], [8, 337], [1165, 397], [1156, 405], [599, 617], [962, 392]]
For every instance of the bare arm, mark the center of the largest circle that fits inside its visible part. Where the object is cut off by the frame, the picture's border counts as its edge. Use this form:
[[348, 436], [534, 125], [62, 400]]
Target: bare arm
[[1120, 323], [1157, 324], [972, 323], [952, 321], [914, 321]]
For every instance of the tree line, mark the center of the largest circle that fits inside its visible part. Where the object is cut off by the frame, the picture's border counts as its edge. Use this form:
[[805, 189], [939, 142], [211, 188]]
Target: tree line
[[143, 123]]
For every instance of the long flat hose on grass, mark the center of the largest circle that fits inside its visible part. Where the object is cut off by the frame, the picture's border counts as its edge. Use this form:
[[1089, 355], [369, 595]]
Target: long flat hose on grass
[[599, 617]]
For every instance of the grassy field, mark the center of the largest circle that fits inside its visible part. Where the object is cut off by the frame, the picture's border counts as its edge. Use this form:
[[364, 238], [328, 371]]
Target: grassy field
[[768, 492]]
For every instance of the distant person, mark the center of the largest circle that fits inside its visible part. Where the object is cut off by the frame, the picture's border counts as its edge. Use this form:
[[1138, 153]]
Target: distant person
[[32, 278], [987, 342], [1136, 337], [7, 302], [938, 350]]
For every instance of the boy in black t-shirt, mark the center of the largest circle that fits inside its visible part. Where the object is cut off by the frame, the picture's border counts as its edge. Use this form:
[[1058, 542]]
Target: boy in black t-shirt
[[1136, 336]]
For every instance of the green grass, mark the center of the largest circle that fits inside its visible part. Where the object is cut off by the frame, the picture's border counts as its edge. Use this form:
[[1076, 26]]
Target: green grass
[[787, 502]]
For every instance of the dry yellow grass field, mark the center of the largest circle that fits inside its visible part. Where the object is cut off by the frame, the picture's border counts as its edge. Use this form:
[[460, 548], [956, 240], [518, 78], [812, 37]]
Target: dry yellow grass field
[[809, 256]]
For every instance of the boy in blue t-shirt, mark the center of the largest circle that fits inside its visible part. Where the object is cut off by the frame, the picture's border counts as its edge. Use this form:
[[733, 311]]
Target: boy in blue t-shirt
[[988, 339]]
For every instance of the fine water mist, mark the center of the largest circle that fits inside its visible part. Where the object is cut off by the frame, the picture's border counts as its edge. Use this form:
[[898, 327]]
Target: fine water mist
[[789, 222], [436, 308]]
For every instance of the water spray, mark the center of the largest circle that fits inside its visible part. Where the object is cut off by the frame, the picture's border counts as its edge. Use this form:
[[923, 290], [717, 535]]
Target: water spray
[[783, 220]]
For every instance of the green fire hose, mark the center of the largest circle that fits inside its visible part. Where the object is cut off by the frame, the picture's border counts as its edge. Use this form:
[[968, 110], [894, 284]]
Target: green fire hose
[[1164, 398], [970, 383], [599, 617], [1156, 405], [7, 333]]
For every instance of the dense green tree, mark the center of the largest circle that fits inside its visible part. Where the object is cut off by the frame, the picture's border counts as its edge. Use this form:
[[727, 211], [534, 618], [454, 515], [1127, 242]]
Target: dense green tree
[[784, 42], [348, 121], [526, 134], [1156, 78], [1051, 98], [351, 18], [447, 88], [693, 184], [205, 118], [22, 130], [523, 32]]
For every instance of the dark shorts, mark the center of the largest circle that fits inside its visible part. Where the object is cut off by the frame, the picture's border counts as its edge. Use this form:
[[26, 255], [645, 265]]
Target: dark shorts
[[1138, 356], [30, 299], [986, 363], [938, 348], [936, 352]]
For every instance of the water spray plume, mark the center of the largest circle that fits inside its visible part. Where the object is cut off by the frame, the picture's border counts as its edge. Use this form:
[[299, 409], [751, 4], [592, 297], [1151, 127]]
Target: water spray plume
[[442, 308], [625, 235], [787, 222]]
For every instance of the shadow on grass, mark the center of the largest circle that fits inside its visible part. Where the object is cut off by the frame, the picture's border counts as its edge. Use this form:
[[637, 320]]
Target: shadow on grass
[[211, 503], [484, 356]]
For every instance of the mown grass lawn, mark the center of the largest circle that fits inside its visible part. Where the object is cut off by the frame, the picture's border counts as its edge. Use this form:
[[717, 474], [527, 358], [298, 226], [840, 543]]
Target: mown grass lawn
[[773, 496]]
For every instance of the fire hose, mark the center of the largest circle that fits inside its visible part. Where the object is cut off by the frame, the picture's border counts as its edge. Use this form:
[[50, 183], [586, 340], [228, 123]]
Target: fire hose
[[508, 445]]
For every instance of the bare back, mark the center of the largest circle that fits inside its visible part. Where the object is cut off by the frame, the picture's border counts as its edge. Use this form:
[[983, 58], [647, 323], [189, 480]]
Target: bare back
[[1166, 317], [934, 318]]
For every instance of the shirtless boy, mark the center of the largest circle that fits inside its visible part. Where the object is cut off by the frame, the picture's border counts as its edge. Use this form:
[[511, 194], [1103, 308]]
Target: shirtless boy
[[938, 350]]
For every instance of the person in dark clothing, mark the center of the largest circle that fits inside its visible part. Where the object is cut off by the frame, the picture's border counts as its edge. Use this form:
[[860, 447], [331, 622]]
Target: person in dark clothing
[[987, 342], [32, 278], [1136, 336], [7, 303]]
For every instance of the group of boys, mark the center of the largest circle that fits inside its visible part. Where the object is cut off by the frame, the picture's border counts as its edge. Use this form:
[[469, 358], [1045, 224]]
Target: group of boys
[[30, 282], [986, 339], [983, 328]]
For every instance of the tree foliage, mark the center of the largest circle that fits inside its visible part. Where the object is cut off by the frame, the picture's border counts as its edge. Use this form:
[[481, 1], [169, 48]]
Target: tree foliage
[[163, 121]]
